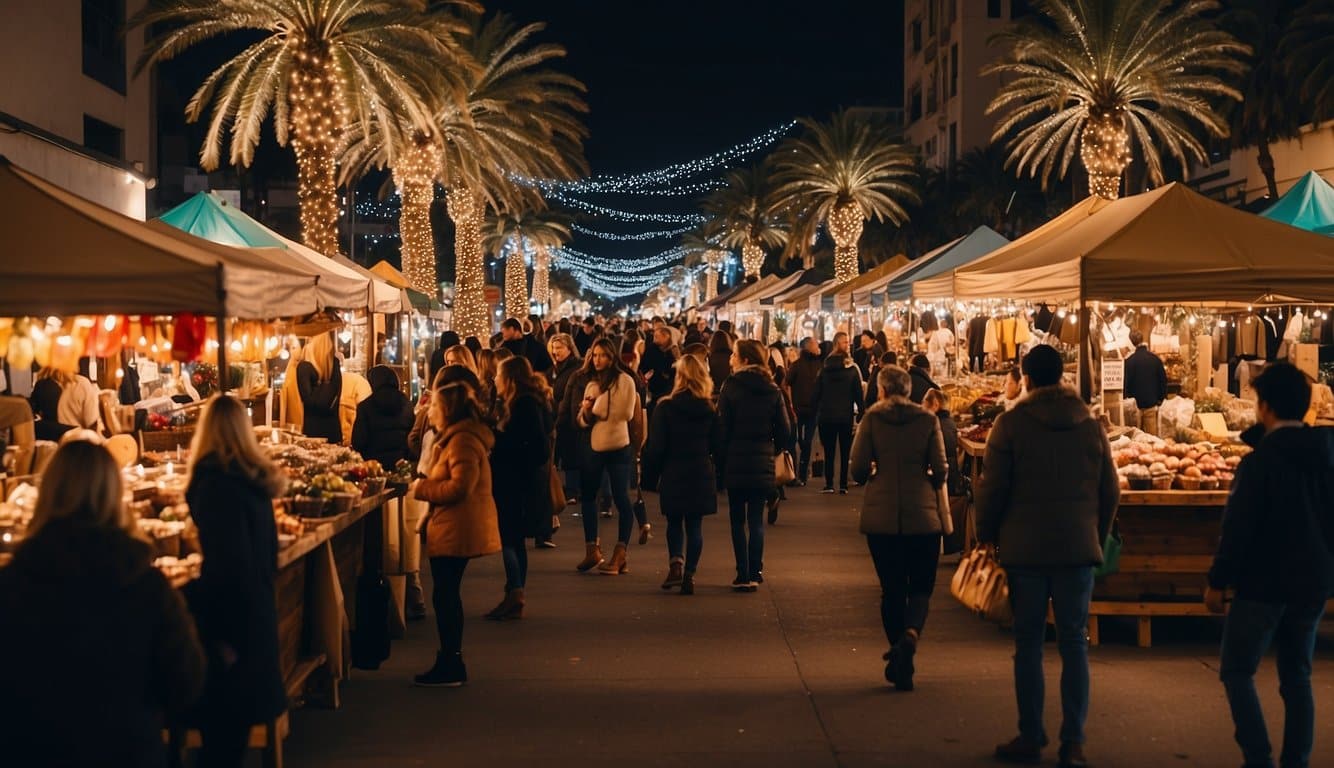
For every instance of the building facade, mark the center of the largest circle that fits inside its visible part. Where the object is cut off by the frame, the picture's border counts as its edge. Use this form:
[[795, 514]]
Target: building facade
[[71, 109], [1234, 177], [945, 96]]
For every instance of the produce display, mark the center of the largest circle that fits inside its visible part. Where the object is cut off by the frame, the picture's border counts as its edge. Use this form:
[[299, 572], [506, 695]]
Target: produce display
[[1144, 462]]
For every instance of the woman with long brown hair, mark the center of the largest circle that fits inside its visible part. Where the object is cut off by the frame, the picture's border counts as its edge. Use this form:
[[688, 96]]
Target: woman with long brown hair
[[231, 491], [93, 634], [462, 523], [683, 443], [519, 472], [565, 354]]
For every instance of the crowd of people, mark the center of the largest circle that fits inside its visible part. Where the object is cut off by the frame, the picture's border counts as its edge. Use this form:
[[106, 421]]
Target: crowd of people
[[579, 415]]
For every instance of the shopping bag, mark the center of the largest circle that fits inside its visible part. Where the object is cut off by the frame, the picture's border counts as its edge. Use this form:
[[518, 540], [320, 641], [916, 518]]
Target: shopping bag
[[1111, 555], [784, 470], [943, 514]]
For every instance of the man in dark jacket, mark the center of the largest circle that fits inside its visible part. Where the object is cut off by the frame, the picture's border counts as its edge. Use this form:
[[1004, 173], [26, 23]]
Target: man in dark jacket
[[525, 345], [867, 353], [1146, 381], [920, 373], [657, 366], [872, 390], [801, 378], [838, 392], [384, 419], [583, 338], [1047, 501], [1275, 552]]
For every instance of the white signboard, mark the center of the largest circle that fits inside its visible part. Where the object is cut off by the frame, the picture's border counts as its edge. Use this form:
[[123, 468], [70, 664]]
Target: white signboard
[[1113, 375]]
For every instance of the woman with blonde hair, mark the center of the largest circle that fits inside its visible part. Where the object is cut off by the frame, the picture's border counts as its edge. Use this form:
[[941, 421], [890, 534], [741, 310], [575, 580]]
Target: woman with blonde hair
[[64, 400], [319, 380], [461, 355], [678, 462], [84, 610], [462, 523], [520, 473], [231, 491]]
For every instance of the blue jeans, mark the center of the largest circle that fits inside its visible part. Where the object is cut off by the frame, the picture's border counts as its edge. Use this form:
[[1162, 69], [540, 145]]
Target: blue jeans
[[1069, 591], [685, 539], [746, 507], [617, 465], [1251, 627]]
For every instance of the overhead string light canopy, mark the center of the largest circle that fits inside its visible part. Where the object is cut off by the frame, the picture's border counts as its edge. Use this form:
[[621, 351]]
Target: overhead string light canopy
[[637, 237]]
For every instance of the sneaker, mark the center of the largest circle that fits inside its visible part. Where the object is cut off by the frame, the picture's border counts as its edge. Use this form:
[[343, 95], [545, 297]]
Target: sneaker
[[827, 489], [547, 544], [1020, 751], [741, 584], [688, 584], [759, 579], [903, 666], [645, 533], [842, 491], [1071, 756], [448, 672], [571, 502], [607, 513]]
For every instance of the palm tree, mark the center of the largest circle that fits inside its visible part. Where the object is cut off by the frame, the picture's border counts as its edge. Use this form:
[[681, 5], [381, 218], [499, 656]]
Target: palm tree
[[1271, 108], [744, 211], [510, 236], [843, 173], [320, 66], [702, 247], [1102, 76], [1307, 51]]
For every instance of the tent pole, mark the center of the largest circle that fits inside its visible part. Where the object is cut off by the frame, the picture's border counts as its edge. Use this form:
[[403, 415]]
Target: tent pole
[[1085, 350], [223, 373]]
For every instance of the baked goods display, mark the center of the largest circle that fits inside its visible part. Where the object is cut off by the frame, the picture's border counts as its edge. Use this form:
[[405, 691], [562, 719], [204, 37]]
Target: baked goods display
[[1144, 463]]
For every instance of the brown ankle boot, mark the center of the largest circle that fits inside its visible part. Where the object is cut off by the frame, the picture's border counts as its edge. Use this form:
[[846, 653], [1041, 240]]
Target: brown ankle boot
[[616, 565], [510, 608], [592, 557], [675, 574]]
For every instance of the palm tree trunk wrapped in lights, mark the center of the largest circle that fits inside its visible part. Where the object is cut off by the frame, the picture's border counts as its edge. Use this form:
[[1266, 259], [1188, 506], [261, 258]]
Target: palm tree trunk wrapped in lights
[[1104, 148], [318, 119], [415, 174], [470, 312], [516, 283], [542, 277], [713, 267], [752, 258], [845, 226]]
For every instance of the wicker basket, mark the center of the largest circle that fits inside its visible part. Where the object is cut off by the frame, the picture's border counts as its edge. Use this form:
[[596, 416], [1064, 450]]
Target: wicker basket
[[342, 503], [372, 486], [309, 506]]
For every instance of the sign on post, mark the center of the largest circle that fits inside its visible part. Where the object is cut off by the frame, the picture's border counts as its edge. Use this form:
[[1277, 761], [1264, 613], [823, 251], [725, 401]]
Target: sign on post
[[1113, 375]]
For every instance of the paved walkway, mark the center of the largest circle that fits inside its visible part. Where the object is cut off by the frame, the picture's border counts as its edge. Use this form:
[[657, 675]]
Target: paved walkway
[[613, 672]]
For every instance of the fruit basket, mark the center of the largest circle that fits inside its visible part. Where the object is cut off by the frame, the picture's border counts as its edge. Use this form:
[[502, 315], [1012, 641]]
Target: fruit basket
[[309, 506], [341, 503]]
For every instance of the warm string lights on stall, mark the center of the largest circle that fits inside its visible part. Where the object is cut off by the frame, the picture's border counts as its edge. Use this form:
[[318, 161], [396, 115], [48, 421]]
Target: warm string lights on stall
[[319, 114]]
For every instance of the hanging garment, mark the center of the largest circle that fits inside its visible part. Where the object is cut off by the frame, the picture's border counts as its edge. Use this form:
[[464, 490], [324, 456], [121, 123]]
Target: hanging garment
[[992, 346], [1273, 334]]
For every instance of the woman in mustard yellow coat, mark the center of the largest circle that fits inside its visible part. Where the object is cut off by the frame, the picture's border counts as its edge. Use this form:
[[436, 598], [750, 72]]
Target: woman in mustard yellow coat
[[462, 523]]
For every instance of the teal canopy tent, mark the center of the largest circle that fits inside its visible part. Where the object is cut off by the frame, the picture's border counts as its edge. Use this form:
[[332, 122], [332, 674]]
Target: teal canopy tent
[[965, 250], [1309, 205]]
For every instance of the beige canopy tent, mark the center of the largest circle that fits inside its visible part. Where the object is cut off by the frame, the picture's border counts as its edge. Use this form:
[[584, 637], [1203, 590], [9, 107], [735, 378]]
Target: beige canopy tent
[[842, 294], [1167, 246], [751, 301], [754, 289], [64, 254]]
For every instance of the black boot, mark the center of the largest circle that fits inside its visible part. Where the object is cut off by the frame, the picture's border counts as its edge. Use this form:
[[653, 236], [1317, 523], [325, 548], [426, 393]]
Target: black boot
[[449, 672]]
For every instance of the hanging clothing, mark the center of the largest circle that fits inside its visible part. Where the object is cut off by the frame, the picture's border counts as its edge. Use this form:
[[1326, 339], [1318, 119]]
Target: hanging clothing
[[1273, 334], [1043, 320], [1250, 337]]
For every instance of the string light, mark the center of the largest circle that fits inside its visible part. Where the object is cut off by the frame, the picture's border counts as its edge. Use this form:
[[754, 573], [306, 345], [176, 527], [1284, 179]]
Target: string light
[[639, 237], [652, 182], [626, 216], [415, 173], [845, 226], [470, 310], [752, 258], [567, 255], [1104, 147], [319, 114]]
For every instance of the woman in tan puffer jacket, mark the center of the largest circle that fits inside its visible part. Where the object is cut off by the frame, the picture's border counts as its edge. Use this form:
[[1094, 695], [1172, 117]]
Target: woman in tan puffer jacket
[[462, 523]]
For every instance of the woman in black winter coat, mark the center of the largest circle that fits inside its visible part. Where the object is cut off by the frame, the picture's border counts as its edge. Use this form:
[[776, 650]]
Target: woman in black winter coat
[[98, 647], [754, 426], [720, 359], [838, 395], [319, 381], [678, 461], [938, 402], [520, 463], [565, 355], [231, 491], [383, 420]]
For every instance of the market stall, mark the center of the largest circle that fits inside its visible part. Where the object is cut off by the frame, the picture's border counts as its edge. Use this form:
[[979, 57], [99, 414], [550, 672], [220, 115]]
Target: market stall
[[751, 313], [1190, 264]]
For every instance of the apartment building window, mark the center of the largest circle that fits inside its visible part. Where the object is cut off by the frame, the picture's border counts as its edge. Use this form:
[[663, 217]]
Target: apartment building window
[[1020, 8], [915, 103], [931, 18], [103, 137], [993, 9], [954, 144], [954, 10], [932, 93], [954, 70], [929, 149], [916, 35], [104, 42]]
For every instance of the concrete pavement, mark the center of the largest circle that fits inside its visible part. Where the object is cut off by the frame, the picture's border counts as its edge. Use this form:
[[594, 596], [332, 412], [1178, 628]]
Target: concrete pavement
[[611, 671]]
